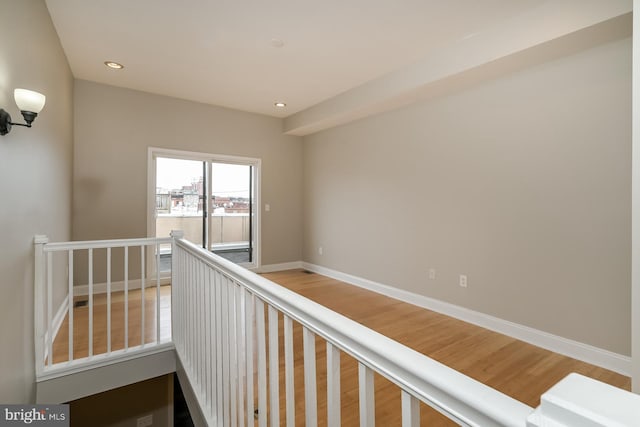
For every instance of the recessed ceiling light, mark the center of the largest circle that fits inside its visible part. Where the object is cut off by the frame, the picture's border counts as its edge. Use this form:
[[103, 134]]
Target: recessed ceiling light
[[280, 104], [276, 42], [114, 65]]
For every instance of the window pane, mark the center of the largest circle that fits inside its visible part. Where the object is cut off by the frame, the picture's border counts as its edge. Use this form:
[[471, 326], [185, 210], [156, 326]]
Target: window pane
[[230, 222], [179, 201]]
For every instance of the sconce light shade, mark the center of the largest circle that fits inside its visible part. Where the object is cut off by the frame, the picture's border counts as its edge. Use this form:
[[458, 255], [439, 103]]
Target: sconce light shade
[[28, 100], [30, 104]]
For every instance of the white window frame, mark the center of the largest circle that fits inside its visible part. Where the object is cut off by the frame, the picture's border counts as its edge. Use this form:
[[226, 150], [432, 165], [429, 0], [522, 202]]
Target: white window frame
[[155, 152]]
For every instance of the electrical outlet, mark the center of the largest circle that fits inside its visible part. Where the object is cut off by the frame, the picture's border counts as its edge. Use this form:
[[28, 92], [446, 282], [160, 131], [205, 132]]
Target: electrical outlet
[[463, 280], [432, 274], [145, 421], [320, 250], [267, 207]]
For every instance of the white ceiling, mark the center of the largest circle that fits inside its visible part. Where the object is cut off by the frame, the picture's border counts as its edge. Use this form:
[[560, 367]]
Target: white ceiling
[[221, 52]]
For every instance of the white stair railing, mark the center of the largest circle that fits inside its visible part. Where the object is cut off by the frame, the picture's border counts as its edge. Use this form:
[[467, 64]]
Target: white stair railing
[[226, 330], [50, 282], [220, 310]]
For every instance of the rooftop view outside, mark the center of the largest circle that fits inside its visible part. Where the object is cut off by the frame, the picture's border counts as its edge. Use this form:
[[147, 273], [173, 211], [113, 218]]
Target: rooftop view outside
[[181, 204]]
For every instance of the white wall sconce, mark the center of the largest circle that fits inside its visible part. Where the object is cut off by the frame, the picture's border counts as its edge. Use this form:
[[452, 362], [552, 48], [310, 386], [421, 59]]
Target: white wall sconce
[[30, 104]]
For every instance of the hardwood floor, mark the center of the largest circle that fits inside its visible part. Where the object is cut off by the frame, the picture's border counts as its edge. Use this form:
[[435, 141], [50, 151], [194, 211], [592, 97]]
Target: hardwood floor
[[515, 368], [518, 369], [81, 323]]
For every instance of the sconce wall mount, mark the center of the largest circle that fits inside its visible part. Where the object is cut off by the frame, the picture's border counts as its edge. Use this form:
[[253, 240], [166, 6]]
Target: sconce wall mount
[[30, 104]]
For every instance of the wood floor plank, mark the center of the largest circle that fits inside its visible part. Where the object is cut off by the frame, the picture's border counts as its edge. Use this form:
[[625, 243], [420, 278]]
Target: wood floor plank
[[81, 322], [518, 369]]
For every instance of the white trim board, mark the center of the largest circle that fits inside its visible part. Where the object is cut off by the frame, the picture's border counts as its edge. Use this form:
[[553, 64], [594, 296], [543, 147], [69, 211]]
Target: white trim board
[[577, 350], [105, 372]]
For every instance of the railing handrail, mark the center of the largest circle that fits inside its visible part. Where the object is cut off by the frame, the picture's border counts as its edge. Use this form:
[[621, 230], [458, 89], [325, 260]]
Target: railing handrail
[[43, 301], [103, 244], [199, 215], [463, 399]]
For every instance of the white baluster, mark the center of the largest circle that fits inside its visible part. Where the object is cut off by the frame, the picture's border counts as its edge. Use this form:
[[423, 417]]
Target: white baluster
[[108, 300], [225, 353], [193, 317], [367, 402], [233, 357], [199, 314], [188, 309], [208, 345], [288, 372], [50, 308], [274, 377], [262, 364], [177, 295], [333, 385], [193, 313], [202, 286], [157, 293], [90, 303], [126, 298], [142, 300], [249, 354], [410, 410], [219, 350], [310, 391], [70, 307], [239, 339]]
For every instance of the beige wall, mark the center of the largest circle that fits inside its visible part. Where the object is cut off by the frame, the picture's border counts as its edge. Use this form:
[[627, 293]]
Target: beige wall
[[635, 266], [522, 183], [113, 129], [35, 178]]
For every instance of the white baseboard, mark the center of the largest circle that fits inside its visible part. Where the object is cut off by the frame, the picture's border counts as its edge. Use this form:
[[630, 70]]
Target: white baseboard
[[577, 350], [101, 288], [270, 268]]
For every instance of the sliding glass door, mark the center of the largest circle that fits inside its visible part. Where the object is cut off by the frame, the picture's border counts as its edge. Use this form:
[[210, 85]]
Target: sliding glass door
[[211, 199], [230, 230], [180, 202]]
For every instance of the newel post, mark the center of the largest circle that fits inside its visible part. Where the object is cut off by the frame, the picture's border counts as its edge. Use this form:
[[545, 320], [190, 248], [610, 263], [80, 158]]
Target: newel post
[[39, 284], [175, 236], [581, 401]]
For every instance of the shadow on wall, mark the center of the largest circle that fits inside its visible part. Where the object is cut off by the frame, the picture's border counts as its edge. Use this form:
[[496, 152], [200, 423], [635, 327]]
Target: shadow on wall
[[124, 406]]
